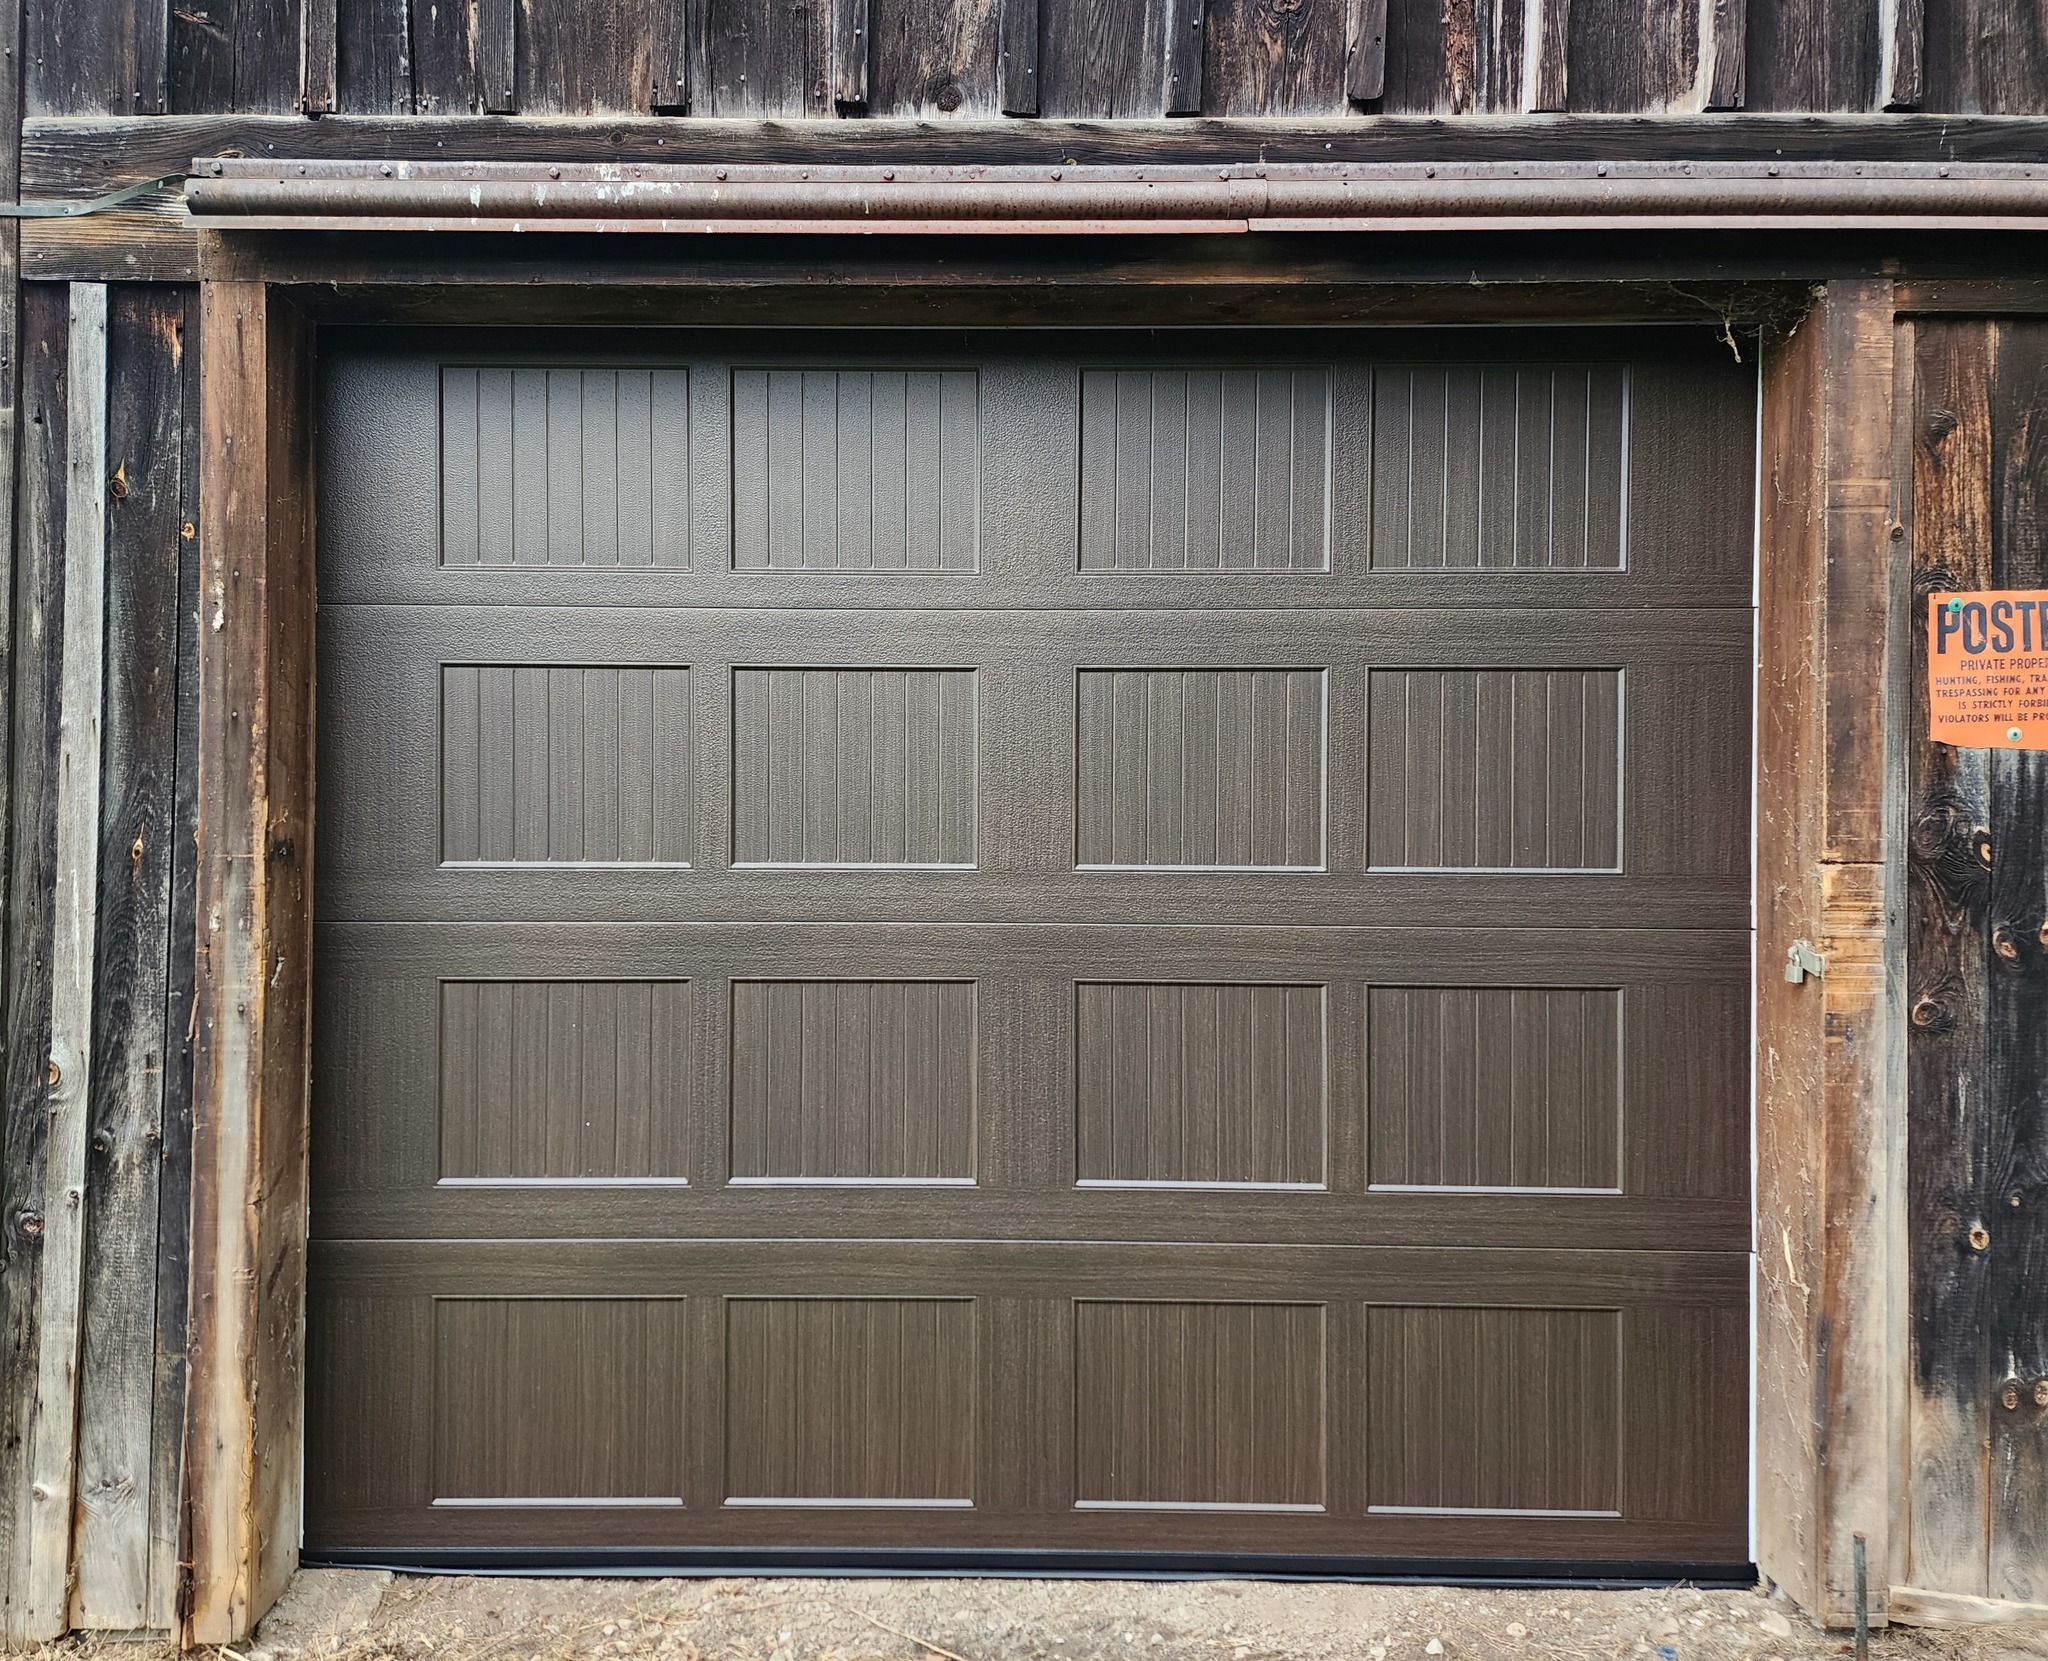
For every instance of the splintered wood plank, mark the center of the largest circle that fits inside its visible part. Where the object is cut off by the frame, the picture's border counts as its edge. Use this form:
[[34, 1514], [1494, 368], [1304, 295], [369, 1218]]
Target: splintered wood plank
[[2015, 1103], [33, 787], [1545, 41], [1948, 853], [1724, 39], [54, 1449], [1903, 70], [139, 840]]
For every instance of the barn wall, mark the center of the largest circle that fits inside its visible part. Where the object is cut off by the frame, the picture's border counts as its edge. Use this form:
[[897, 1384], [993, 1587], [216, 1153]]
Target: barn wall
[[1097, 59]]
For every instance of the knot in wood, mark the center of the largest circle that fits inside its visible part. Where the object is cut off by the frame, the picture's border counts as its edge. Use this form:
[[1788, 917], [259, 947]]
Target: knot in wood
[[2041, 1392], [2005, 943], [1980, 844], [1940, 423], [1980, 1237], [282, 849], [2009, 1397], [31, 1224], [949, 98], [1930, 1016]]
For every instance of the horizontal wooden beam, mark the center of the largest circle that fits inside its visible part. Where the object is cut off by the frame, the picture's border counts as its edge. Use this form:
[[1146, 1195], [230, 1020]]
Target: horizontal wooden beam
[[72, 158]]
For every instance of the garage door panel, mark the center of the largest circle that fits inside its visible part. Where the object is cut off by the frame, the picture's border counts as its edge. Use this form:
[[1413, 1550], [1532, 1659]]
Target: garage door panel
[[1034, 941]]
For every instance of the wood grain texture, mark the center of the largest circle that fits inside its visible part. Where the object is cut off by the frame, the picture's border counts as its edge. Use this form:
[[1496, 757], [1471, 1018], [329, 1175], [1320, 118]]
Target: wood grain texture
[[1902, 69], [1184, 51], [565, 1080], [1511, 466], [1275, 57], [1018, 75], [373, 62], [855, 767], [1724, 44], [120, 1434], [1102, 62], [951, 58], [579, 57], [244, 1411], [1811, 55], [1200, 1405], [1205, 470], [1949, 852], [235, 56], [495, 34], [2015, 1102], [53, 1445], [1985, 55], [1201, 1084], [1211, 768], [319, 25], [856, 470], [34, 659], [850, 1399], [766, 58], [105, 59], [565, 765], [1515, 1410], [1634, 55], [854, 1081], [1546, 45], [1494, 1087], [565, 467], [579, 1399], [852, 41], [1365, 51]]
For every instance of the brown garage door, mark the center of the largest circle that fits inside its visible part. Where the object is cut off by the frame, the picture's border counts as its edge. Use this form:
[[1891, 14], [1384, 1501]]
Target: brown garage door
[[1033, 942]]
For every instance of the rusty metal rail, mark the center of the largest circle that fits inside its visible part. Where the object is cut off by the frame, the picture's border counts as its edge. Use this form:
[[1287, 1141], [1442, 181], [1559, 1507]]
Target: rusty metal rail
[[235, 193]]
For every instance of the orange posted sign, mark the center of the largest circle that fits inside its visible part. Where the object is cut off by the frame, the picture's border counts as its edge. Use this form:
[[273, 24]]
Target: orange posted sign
[[1987, 669]]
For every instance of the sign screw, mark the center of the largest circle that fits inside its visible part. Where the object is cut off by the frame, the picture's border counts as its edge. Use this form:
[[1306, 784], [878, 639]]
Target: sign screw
[[2012, 735]]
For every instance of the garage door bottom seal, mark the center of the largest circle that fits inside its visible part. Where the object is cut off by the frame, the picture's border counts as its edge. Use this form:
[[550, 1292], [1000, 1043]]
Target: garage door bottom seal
[[1082, 1565]]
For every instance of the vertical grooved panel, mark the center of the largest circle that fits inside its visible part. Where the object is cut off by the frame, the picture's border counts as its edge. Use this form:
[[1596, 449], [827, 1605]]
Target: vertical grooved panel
[[854, 767], [854, 1080], [1494, 1409], [568, 467], [863, 470], [1185, 1083], [850, 1399], [1494, 1087], [559, 1398], [1499, 467], [565, 765], [1217, 768], [1205, 469], [1494, 769], [565, 1079], [1199, 1404]]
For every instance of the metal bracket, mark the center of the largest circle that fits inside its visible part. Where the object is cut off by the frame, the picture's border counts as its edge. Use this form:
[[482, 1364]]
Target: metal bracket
[[98, 204], [1802, 960]]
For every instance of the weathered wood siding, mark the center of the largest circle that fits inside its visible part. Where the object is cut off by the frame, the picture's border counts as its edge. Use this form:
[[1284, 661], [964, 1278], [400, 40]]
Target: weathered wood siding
[[1094, 59], [121, 1442]]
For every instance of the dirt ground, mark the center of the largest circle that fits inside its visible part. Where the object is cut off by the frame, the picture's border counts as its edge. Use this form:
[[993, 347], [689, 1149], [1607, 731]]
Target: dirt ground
[[365, 1616]]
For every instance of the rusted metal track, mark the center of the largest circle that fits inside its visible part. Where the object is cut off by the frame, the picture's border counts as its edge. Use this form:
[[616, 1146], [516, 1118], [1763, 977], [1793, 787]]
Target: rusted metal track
[[227, 193]]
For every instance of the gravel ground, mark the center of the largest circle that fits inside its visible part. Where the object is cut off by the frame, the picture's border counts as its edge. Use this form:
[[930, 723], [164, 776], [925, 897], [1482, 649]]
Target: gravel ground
[[363, 1616]]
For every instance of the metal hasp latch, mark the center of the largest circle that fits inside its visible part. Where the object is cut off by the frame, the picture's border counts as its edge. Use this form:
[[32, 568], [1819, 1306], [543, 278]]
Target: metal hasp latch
[[1802, 960]]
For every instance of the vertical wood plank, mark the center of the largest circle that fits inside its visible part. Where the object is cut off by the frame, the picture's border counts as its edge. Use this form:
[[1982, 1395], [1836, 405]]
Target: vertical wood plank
[[137, 838], [1904, 42], [317, 57], [850, 54], [496, 56], [254, 932], [1724, 46], [2014, 1202], [1949, 850], [38, 522], [94, 60], [1546, 31], [174, 1213], [1184, 21], [1986, 57], [1365, 59], [1018, 79], [368, 68], [673, 51], [54, 1435], [236, 56]]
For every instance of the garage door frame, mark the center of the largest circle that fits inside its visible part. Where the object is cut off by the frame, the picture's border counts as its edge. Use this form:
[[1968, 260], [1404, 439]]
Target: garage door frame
[[1830, 1124]]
